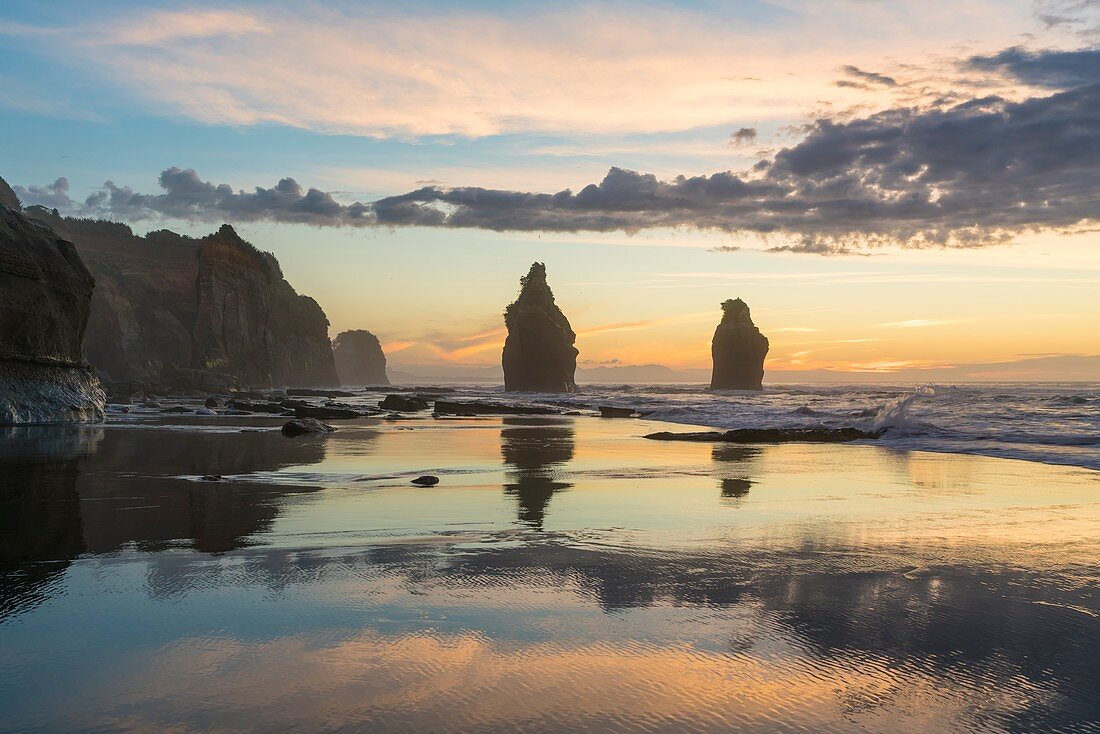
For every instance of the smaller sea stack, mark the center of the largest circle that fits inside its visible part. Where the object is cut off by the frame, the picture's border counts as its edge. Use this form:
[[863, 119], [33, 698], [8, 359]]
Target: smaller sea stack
[[539, 355], [738, 350], [359, 358]]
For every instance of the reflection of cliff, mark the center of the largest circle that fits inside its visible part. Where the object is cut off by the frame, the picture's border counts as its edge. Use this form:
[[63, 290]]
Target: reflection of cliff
[[68, 491], [734, 465], [136, 470], [532, 450], [40, 531]]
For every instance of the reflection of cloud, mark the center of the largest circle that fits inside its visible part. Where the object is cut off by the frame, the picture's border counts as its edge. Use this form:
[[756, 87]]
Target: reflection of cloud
[[438, 682]]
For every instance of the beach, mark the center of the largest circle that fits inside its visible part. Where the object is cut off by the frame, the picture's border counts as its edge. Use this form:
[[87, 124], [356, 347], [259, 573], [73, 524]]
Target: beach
[[565, 573]]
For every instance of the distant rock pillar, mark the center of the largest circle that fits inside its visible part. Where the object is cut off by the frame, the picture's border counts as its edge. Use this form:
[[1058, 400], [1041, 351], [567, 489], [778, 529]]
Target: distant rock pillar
[[539, 355], [359, 358], [738, 350]]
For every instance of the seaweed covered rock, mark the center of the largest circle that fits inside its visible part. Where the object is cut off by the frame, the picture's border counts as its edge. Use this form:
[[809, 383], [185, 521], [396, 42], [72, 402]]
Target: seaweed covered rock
[[359, 358], [539, 355], [45, 298], [738, 350]]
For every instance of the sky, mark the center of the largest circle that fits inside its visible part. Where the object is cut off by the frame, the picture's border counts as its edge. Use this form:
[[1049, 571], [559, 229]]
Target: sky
[[889, 184]]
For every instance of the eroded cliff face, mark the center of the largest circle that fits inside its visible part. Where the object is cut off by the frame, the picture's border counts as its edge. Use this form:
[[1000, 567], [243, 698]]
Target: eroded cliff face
[[738, 350], [195, 313], [251, 323], [539, 355], [45, 300], [359, 358]]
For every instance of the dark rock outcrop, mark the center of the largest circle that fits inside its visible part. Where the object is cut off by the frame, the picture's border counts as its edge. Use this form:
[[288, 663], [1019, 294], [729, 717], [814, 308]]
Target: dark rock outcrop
[[215, 304], [611, 411], [738, 350], [359, 358], [301, 426], [770, 435], [403, 403], [539, 355], [326, 412], [45, 297]]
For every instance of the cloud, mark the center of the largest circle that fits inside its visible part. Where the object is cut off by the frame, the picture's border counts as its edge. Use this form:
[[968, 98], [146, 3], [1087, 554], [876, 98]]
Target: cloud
[[972, 173], [869, 77], [1052, 69], [575, 68], [744, 136]]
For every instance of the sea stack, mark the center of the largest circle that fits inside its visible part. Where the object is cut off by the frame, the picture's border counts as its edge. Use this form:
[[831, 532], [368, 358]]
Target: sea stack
[[539, 355], [45, 299], [359, 358], [738, 350]]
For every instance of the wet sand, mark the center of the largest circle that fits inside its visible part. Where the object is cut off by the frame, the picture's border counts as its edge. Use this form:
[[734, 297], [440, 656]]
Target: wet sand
[[565, 574]]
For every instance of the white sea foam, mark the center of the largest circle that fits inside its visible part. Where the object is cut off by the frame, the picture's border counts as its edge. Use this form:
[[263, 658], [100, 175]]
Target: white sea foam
[[1053, 423]]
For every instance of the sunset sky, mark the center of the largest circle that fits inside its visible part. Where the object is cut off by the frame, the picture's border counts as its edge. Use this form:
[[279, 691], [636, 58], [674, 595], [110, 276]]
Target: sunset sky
[[889, 184]]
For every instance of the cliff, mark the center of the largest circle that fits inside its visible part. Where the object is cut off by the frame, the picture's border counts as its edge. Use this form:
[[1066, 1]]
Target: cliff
[[539, 355], [251, 323], [738, 350], [359, 358], [195, 312], [45, 300]]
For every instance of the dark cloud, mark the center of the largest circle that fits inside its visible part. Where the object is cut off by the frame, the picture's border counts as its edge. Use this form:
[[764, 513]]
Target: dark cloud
[[744, 136], [869, 77], [964, 174], [185, 196], [973, 173], [1053, 69]]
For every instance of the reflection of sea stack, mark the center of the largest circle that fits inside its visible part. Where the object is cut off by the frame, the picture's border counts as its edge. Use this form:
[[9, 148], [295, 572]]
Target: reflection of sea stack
[[738, 350], [533, 451], [359, 358], [539, 355]]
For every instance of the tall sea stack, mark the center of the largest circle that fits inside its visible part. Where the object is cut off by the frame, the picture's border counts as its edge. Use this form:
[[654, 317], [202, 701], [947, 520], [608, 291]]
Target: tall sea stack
[[45, 298], [738, 350], [359, 358], [539, 355]]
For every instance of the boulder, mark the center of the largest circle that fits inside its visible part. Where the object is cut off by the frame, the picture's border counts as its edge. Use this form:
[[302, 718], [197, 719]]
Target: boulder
[[359, 358], [426, 481], [738, 350], [300, 426], [539, 355], [403, 403], [326, 412], [45, 300], [609, 411]]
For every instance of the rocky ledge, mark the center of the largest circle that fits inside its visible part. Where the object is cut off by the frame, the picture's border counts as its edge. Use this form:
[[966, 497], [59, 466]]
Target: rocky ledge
[[770, 435], [539, 355], [45, 297]]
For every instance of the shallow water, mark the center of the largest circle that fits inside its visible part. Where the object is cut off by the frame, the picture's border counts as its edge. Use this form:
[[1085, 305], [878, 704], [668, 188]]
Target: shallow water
[[564, 575]]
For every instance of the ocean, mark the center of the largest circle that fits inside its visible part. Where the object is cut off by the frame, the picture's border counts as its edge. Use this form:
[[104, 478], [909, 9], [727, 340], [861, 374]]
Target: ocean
[[1053, 423]]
